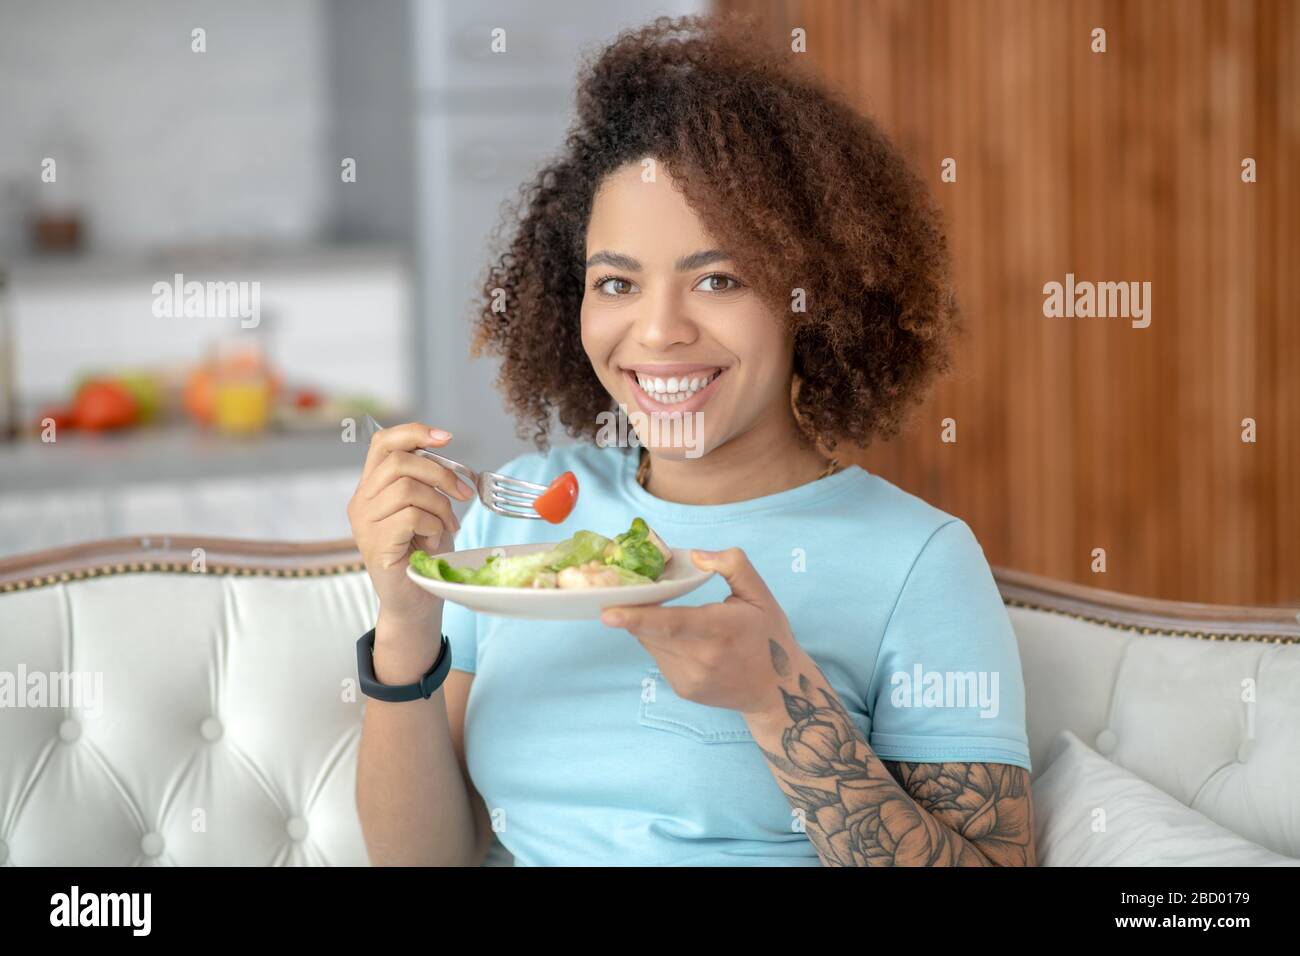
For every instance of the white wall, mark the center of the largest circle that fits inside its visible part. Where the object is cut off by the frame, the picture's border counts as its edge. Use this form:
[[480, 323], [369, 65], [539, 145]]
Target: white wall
[[160, 144]]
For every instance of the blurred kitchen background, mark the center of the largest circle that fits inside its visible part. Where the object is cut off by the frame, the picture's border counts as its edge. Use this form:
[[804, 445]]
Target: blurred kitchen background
[[227, 165]]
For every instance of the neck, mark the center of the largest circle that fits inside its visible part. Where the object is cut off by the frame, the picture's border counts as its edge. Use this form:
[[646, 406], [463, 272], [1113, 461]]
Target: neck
[[762, 461]]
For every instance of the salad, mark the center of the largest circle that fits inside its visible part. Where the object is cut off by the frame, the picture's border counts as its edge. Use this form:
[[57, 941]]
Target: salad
[[587, 560]]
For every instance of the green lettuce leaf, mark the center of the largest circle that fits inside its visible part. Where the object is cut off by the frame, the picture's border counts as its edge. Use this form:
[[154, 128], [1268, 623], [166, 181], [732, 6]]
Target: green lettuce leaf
[[439, 570], [513, 572], [634, 551], [584, 546], [632, 554]]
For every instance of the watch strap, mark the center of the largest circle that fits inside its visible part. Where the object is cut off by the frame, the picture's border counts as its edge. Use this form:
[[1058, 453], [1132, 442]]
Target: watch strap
[[396, 693]]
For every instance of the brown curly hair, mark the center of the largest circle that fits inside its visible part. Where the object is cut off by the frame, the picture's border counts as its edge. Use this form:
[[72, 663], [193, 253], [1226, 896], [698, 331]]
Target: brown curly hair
[[802, 192]]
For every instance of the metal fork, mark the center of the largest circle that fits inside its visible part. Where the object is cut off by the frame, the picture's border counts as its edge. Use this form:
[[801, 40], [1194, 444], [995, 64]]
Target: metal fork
[[498, 493]]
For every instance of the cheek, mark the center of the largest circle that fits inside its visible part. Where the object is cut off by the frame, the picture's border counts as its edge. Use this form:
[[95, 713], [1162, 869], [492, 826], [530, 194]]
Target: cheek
[[764, 349], [598, 341]]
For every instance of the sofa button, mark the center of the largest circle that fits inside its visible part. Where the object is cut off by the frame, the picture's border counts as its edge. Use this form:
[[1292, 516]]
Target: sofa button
[[297, 828], [151, 844], [1106, 742], [69, 731], [211, 729], [1246, 749]]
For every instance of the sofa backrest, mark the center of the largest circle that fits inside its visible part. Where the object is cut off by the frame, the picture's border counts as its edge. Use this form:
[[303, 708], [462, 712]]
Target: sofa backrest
[[203, 706]]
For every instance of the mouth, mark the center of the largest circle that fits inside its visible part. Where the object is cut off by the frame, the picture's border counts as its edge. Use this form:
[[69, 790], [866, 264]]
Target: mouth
[[684, 391]]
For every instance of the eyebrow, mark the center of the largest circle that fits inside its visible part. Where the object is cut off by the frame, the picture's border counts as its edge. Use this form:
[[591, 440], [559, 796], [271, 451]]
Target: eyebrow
[[619, 260]]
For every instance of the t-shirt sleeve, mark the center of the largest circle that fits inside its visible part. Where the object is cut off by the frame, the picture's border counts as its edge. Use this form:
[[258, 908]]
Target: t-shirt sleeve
[[459, 623], [947, 685]]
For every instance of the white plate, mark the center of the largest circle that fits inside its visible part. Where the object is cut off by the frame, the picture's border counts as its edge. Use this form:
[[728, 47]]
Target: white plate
[[681, 576]]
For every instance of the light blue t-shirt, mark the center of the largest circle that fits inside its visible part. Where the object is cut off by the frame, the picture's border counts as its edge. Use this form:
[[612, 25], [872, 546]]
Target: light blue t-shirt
[[585, 755]]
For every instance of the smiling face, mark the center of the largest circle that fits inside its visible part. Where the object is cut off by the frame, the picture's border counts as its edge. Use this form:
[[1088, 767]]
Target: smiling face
[[669, 325]]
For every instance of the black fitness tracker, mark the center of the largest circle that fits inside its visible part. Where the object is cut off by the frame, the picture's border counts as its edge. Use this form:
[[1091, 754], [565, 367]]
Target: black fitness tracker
[[424, 688]]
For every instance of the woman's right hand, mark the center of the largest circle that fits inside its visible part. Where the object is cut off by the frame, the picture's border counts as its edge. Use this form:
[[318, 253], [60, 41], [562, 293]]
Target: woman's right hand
[[397, 509]]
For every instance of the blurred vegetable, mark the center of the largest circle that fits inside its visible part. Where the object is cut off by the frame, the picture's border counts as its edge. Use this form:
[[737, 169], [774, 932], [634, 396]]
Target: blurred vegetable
[[198, 398], [147, 391], [103, 405]]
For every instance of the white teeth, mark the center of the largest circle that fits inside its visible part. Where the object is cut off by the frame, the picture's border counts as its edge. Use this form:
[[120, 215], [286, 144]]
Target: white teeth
[[674, 389]]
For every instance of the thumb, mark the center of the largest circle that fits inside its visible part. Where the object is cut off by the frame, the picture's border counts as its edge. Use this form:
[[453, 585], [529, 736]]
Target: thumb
[[740, 575]]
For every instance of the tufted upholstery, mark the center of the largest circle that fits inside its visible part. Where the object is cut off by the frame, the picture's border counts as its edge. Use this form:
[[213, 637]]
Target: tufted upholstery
[[228, 725], [1170, 710]]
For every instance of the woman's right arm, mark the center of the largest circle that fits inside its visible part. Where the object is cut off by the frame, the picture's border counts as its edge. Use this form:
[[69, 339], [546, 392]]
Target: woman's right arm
[[416, 803]]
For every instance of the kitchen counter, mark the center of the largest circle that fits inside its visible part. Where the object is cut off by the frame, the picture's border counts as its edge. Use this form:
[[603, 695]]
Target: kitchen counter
[[167, 454]]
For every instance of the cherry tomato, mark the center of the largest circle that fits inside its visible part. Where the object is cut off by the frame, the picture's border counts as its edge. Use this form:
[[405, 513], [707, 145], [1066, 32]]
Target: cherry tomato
[[555, 503]]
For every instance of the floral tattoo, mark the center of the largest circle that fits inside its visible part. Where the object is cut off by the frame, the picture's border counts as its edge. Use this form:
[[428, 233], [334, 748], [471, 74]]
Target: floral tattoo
[[862, 811]]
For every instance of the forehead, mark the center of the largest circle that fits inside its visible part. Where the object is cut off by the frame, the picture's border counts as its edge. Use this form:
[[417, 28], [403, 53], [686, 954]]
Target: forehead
[[641, 215]]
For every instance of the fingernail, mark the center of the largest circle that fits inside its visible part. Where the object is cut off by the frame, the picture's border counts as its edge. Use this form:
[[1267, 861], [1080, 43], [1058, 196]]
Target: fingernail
[[465, 490], [706, 554], [613, 618], [437, 434]]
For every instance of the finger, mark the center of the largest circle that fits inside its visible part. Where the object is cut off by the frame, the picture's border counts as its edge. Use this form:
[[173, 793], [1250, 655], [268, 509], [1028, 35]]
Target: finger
[[411, 492], [406, 437], [662, 650], [398, 530], [399, 464], [651, 621], [734, 566]]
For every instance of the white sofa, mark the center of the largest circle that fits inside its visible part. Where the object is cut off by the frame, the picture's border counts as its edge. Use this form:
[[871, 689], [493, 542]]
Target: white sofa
[[225, 729]]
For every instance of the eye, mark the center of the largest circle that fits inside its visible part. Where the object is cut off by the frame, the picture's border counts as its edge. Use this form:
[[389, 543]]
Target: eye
[[713, 283], [612, 286]]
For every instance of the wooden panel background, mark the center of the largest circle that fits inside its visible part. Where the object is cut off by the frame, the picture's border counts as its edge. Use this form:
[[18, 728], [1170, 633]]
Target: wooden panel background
[[1075, 434]]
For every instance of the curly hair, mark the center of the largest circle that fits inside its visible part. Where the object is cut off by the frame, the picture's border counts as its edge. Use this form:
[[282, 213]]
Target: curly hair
[[803, 192]]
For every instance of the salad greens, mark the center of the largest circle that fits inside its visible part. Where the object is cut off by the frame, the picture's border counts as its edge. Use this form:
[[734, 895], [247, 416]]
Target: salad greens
[[586, 560]]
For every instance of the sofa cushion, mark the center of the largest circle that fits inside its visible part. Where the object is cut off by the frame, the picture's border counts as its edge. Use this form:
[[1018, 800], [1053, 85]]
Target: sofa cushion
[[1090, 812]]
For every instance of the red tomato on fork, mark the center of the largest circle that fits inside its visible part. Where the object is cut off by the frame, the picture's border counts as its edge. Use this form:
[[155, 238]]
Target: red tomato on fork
[[557, 501]]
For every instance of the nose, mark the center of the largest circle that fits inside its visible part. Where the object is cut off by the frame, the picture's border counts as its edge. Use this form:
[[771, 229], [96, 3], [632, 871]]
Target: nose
[[662, 322]]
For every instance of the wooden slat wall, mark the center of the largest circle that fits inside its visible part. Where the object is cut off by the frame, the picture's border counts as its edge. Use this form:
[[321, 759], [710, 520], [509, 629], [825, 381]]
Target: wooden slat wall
[[1076, 434]]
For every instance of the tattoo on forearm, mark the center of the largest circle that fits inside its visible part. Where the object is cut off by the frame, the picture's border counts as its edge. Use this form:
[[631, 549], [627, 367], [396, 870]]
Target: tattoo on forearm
[[862, 811]]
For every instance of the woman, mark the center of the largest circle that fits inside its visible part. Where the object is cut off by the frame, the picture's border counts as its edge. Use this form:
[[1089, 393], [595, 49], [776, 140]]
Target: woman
[[725, 244]]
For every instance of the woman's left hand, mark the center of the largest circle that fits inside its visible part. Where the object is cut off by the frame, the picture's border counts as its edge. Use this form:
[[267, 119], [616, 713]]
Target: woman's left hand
[[723, 655]]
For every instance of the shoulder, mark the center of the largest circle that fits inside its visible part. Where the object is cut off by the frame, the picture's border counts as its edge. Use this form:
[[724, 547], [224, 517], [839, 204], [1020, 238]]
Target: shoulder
[[913, 525]]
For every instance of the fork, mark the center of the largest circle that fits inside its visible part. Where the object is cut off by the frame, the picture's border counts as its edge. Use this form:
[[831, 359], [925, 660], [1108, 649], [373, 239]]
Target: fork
[[500, 494]]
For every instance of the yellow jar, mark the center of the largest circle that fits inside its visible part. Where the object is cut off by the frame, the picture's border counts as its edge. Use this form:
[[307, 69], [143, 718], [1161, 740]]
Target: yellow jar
[[241, 403]]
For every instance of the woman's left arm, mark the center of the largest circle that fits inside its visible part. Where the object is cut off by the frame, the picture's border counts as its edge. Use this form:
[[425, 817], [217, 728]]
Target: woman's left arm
[[856, 809], [859, 810]]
